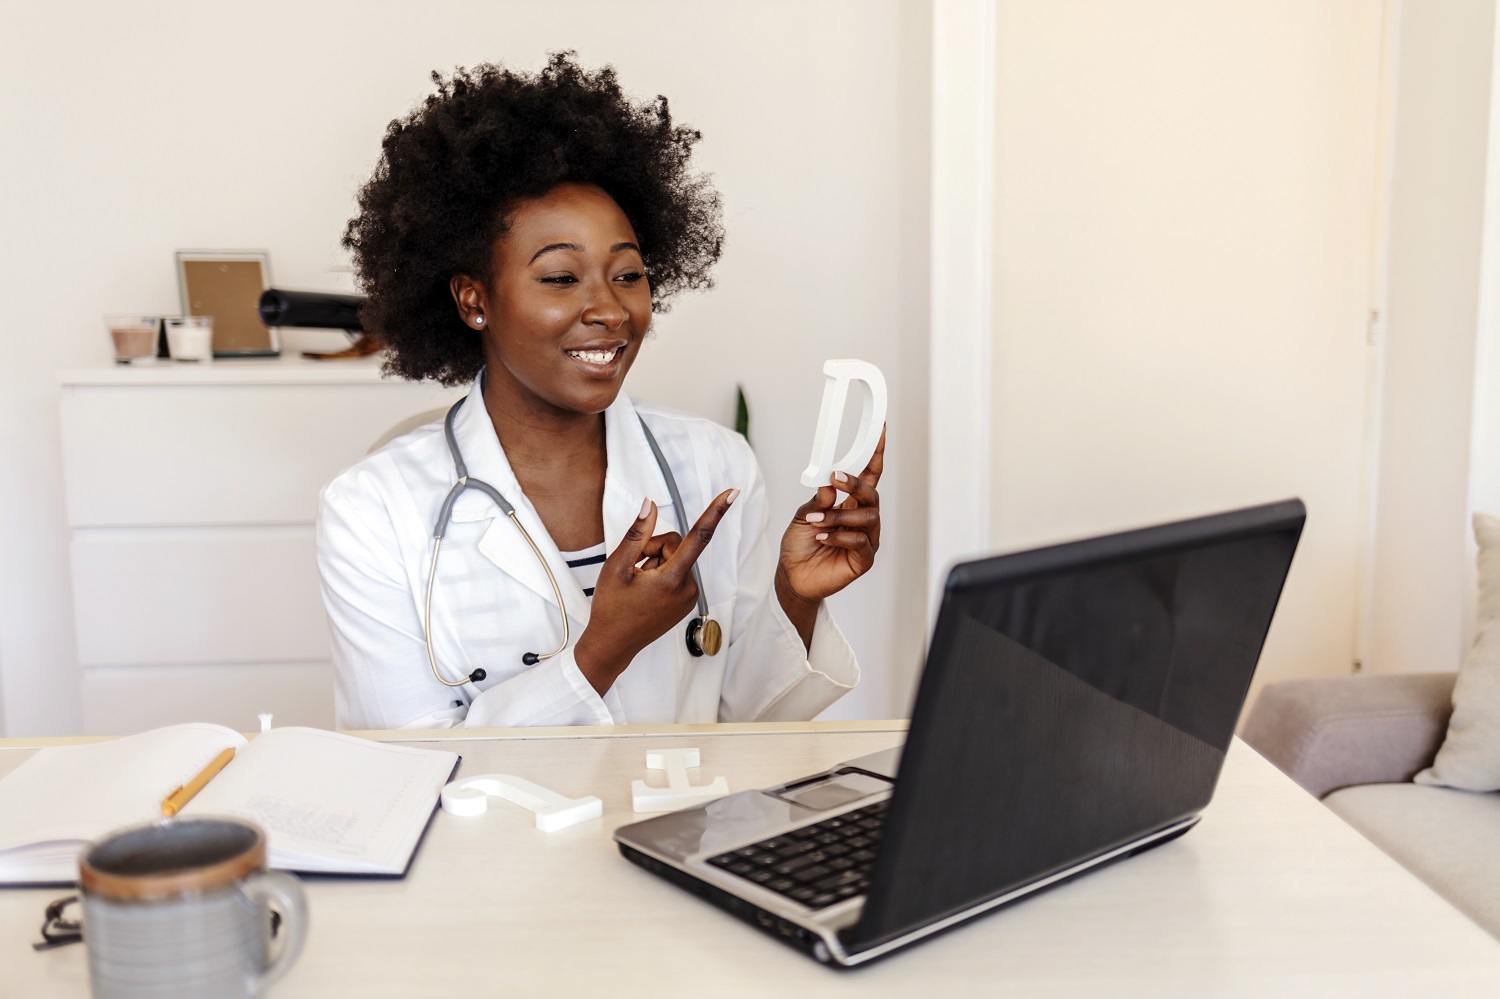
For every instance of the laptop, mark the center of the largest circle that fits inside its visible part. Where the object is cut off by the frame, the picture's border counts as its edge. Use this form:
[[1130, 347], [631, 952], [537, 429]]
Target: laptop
[[1075, 709]]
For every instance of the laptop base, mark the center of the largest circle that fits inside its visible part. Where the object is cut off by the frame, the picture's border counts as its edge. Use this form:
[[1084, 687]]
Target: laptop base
[[812, 944], [782, 929]]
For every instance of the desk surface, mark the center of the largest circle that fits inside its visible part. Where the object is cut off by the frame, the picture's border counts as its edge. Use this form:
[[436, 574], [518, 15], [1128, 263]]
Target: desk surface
[[1271, 894]]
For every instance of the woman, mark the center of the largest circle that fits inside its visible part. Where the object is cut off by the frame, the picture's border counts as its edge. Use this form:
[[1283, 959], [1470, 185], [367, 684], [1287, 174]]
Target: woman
[[518, 233]]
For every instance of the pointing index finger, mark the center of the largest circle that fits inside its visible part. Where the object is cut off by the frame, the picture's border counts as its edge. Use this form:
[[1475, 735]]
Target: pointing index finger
[[702, 531]]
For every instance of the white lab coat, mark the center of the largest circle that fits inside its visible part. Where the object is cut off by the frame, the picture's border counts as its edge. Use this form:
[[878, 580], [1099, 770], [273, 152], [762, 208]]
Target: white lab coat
[[493, 603]]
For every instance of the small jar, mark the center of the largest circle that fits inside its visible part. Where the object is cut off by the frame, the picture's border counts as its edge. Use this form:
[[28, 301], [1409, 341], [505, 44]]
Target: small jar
[[134, 338], [190, 338]]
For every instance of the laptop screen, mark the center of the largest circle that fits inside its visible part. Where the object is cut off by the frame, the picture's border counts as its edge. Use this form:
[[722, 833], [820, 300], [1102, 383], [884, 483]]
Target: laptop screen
[[1075, 699]]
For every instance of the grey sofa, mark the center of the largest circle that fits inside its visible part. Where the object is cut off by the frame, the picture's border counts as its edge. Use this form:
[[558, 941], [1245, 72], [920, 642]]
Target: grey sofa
[[1355, 742]]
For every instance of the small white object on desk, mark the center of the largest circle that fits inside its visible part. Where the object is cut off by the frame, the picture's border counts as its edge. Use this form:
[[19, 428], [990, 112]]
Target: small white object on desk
[[680, 792], [471, 796], [265, 721]]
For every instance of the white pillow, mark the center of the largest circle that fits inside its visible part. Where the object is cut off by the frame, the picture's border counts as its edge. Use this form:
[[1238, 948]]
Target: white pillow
[[1470, 757]]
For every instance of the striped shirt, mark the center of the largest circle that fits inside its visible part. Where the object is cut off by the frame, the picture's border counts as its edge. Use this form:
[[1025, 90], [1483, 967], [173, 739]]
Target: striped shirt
[[586, 565]]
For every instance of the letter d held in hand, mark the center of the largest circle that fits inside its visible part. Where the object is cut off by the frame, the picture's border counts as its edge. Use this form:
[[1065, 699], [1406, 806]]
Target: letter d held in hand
[[871, 420]]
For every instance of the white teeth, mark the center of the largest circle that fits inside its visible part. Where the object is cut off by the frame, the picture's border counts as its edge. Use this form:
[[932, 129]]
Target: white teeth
[[595, 356]]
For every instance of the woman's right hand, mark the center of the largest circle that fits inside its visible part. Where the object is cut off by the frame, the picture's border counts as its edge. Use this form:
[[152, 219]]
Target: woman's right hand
[[645, 588]]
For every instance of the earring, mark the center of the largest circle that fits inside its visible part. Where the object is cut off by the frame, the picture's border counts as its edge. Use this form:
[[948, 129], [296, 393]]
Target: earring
[[478, 320]]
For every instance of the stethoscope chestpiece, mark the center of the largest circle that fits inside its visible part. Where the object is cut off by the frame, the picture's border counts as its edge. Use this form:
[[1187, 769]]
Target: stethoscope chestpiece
[[704, 637]]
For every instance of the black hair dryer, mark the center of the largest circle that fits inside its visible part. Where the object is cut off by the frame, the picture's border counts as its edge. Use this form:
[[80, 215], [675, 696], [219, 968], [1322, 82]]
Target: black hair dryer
[[318, 310]]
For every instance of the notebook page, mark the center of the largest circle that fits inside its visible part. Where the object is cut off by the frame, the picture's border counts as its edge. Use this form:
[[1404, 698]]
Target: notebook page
[[331, 802], [81, 792]]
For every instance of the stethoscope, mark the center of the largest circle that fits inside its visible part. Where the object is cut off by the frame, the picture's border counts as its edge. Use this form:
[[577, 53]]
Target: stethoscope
[[704, 636]]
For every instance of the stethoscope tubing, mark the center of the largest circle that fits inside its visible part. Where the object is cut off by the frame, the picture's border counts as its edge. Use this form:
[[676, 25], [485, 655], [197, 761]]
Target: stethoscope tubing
[[682, 524]]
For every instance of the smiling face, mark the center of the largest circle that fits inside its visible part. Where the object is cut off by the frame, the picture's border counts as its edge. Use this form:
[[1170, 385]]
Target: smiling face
[[567, 306]]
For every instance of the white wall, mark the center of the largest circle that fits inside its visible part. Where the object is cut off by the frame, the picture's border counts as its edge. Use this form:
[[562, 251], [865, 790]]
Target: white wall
[[1184, 228], [1422, 575], [133, 130], [1484, 454]]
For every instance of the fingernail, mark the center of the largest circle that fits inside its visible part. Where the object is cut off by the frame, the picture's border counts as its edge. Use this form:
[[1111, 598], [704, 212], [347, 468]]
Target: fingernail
[[823, 536], [840, 477], [734, 494], [645, 508], [814, 518]]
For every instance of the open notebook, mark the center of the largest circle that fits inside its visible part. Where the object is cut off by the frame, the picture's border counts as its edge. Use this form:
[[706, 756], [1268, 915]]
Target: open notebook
[[330, 803]]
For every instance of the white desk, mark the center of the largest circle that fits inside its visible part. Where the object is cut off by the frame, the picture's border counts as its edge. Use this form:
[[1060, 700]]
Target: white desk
[[1272, 895]]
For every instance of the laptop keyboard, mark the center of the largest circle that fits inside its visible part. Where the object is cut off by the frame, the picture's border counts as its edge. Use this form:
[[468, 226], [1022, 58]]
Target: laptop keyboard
[[816, 865]]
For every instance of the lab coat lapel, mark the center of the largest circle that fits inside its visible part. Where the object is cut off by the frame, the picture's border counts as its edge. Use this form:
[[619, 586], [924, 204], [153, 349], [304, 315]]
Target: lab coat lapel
[[502, 543], [632, 476]]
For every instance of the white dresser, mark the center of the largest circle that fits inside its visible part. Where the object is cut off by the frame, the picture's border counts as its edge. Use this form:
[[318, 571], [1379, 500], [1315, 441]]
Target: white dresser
[[191, 495]]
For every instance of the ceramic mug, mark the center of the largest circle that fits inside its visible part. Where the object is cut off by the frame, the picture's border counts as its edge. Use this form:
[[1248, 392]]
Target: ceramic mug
[[182, 907]]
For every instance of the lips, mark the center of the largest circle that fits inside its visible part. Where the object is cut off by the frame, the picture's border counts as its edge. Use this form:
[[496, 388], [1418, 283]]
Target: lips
[[598, 358]]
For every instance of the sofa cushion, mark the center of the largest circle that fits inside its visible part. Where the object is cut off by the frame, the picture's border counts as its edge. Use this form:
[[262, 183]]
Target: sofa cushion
[[1450, 839], [1328, 732], [1470, 754]]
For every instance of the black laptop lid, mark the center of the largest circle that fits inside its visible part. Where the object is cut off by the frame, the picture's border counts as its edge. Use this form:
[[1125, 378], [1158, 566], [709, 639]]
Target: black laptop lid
[[1076, 698]]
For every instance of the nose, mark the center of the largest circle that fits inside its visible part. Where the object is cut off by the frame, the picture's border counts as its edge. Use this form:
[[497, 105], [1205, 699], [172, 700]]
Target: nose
[[605, 309]]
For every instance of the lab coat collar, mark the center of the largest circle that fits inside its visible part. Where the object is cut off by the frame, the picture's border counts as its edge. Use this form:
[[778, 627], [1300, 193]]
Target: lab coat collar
[[631, 477]]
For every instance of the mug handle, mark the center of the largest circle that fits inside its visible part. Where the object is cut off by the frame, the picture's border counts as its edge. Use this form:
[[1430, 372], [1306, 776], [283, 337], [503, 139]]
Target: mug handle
[[285, 892]]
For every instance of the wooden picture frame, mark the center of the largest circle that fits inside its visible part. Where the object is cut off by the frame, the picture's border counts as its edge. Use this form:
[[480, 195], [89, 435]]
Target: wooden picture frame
[[227, 285]]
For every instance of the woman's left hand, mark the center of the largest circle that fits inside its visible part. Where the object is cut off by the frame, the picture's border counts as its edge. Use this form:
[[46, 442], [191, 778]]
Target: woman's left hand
[[827, 547]]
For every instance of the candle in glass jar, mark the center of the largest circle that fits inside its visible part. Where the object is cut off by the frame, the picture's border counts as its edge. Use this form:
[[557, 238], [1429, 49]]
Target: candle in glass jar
[[190, 338], [134, 338]]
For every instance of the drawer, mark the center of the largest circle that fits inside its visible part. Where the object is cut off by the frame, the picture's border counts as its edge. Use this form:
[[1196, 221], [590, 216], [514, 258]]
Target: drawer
[[123, 700], [220, 454], [185, 595]]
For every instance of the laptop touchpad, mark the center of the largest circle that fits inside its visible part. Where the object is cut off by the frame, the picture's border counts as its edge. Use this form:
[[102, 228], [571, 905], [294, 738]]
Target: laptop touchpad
[[823, 793]]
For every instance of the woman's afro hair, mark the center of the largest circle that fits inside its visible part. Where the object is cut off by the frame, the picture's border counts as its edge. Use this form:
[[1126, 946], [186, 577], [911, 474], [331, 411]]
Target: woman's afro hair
[[451, 170]]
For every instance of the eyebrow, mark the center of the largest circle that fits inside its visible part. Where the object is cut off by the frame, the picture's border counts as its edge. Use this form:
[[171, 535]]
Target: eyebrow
[[554, 246], [578, 249]]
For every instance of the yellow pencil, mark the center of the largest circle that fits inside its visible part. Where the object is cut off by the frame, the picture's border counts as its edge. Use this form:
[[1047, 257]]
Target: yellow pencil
[[172, 803]]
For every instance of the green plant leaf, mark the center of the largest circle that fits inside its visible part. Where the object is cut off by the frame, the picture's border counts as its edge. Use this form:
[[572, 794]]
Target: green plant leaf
[[741, 413]]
